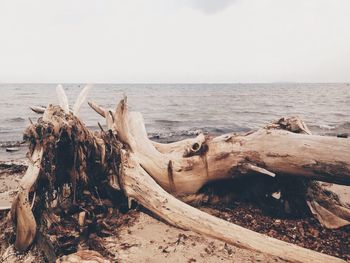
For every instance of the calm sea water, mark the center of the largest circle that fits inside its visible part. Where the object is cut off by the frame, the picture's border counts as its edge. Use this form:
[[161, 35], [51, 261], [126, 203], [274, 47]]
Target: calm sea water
[[172, 111]]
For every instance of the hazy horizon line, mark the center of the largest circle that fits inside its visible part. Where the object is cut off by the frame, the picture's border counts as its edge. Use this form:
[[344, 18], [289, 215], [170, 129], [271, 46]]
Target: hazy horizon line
[[178, 83]]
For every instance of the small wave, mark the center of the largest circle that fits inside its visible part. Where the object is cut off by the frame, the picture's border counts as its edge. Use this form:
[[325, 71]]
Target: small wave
[[172, 136], [344, 125], [340, 127], [338, 114], [326, 127], [223, 130], [16, 119], [183, 134], [167, 121], [331, 130], [253, 112]]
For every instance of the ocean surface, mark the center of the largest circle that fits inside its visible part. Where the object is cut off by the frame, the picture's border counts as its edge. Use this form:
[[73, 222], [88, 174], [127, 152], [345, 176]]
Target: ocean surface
[[175, 111]]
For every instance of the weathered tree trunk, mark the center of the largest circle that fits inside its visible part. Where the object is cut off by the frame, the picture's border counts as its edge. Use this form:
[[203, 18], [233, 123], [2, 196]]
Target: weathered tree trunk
[[184, 167], [153, 174]]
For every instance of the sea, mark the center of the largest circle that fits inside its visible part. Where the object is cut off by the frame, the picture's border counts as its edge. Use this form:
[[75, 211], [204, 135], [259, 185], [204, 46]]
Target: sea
[[176, 111]]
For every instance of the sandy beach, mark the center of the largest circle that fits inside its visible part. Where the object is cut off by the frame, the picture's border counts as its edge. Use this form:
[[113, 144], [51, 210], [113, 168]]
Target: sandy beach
[[143, 238]]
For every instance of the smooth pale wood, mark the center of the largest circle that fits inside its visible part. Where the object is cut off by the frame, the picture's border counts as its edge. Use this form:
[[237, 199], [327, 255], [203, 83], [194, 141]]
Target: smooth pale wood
[[97, 108], [80, 100], [275, 151], [25, 221], [104, 113], [33, 169], [62, 98], [327, 218], [21, 212], [139, 185]]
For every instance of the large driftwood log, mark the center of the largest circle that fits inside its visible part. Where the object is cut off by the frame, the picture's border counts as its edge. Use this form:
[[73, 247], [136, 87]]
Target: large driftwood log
[[184, 167], [155, 174]]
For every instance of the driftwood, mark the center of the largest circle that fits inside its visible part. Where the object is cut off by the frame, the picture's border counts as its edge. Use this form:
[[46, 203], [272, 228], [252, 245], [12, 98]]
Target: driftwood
[[158, 175], [184, 167]]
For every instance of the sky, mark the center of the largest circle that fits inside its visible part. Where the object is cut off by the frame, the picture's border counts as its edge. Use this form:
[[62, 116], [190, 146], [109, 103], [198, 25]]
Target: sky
[[174, 41]]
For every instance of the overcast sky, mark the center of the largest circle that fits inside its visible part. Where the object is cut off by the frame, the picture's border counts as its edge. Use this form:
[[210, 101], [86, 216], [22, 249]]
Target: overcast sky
[[174, 41]]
